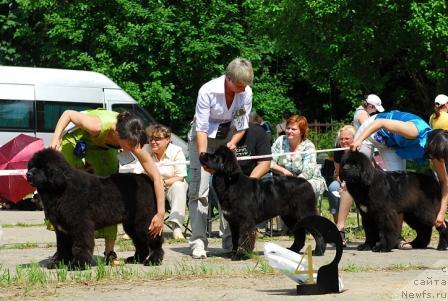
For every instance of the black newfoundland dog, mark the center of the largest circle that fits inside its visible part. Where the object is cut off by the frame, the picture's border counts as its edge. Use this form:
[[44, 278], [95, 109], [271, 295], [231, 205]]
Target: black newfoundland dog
[[247, 201], [77, 203], [381, 196]]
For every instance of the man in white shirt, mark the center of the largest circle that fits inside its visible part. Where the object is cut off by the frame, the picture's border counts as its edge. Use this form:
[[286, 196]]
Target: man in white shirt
[[221, 118]]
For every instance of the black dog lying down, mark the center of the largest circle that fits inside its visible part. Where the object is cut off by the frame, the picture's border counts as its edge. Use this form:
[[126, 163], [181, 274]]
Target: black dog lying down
[[78, 203], [247, 201], [381, 196]]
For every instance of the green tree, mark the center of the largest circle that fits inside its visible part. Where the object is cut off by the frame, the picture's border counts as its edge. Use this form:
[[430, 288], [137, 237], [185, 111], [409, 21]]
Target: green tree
[[160, 52], [396, 49]]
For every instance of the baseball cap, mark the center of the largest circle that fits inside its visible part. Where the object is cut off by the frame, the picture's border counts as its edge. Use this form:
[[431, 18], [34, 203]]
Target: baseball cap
[[440, 99], [375, 101]]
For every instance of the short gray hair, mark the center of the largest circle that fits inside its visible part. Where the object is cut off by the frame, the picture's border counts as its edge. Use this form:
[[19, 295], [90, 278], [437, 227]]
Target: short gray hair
[[240, 71]]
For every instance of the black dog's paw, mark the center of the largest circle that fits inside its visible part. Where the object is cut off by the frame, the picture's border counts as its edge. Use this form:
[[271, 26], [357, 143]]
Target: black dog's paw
[[241, 254], [380, 248], [318, 252], [134, 260], [443, 240], [56, 262], [154, 259], [364, 247]]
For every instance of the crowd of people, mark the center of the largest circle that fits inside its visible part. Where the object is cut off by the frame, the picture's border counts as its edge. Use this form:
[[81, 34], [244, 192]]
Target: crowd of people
[[224, 116]]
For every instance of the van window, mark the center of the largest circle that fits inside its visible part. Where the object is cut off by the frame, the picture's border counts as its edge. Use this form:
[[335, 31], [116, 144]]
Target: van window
[[17, 115], [133, 108], [48, 112]]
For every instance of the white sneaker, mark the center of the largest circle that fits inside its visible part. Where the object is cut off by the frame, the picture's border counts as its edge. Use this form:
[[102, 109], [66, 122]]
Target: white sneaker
[[199, 253], [177, 234]]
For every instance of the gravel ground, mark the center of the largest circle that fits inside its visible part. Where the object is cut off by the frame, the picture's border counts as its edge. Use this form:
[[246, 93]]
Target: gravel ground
[[398, 275]]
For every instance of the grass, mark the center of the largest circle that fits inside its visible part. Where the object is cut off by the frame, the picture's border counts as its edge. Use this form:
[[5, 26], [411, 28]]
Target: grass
[[22, 225], [354, 268], [33, 275], [27, 245]]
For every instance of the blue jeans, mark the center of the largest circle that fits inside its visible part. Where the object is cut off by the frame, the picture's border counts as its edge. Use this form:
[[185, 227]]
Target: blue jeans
[[332, 199]]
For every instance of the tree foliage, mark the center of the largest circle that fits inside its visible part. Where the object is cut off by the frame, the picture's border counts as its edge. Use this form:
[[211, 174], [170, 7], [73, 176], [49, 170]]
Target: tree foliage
[[312, 56], [392, 48]]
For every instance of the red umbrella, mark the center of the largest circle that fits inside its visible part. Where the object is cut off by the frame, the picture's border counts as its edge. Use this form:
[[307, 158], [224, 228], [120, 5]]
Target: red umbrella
[[15, 154]]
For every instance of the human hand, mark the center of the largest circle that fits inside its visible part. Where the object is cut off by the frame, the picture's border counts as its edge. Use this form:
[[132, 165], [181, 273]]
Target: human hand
[[55, 143], [440, 220], [355, 145], [156, 226], [287, 172], [231, 145]]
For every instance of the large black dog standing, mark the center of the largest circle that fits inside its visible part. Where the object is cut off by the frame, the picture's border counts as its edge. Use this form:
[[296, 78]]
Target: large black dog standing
[[247, 201], [381, 196], [78, 203]]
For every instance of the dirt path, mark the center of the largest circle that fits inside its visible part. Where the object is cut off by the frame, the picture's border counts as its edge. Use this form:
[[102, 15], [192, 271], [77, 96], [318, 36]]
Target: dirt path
[[398, 275]]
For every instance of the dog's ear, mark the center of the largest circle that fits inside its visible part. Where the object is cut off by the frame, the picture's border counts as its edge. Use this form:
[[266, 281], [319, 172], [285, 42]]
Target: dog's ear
[[360, 166], [229, 161], [56, 178]]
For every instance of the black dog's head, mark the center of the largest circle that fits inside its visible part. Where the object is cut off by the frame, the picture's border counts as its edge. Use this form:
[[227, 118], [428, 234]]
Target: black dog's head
[[356, 168], [222, 161], [47, 169]]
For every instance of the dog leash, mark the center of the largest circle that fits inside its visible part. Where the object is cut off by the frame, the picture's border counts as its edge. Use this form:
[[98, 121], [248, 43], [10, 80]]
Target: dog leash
[[21, 172]]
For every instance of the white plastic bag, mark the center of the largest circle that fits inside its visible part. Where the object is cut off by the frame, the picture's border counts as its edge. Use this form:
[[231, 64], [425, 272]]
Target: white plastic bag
[[287, 262]]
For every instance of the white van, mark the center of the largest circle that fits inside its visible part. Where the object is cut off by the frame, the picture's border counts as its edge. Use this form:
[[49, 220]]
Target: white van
[[32, 99]]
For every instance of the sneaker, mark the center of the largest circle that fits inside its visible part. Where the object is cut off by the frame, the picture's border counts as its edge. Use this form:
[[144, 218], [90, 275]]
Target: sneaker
[[177, 234], [199, 253]]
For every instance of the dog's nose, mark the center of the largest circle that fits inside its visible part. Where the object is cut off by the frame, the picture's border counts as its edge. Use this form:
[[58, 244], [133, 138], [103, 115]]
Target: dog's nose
[[29, 175]]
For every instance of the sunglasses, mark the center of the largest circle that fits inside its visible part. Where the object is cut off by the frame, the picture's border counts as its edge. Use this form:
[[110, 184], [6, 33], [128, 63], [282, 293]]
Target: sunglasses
[[156, 139]]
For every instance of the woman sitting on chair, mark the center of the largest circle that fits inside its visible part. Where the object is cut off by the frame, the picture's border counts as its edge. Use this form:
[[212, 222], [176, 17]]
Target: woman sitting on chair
[[303, 163], [173, 176]]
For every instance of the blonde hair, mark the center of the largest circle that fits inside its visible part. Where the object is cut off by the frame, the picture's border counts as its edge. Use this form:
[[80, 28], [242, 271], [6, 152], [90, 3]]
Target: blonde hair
[[159, 130], [348, 128], [240, 71]]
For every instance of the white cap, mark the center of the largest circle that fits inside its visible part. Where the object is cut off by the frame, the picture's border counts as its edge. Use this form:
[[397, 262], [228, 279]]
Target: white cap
[[375, 101], [441, 99]]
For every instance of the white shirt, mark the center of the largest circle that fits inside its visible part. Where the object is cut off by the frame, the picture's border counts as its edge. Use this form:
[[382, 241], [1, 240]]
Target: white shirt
[[211, 108], [173, 153]]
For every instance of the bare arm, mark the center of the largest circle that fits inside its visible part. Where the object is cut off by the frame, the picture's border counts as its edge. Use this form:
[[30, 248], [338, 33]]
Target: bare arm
[[336, 171], [404, 128], [168, 182], [280, 170], [235, 139], [88, 123], [156, 226], [362, 116], [261, 169], [201, 142], [439, 167]]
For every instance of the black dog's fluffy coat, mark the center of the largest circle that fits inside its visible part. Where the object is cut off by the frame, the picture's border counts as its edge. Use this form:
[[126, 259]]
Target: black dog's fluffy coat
[[247, 201], [381, 196], [78, 203]]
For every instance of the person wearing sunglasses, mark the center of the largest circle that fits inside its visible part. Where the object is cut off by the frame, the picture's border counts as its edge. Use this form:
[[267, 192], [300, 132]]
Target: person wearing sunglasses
[[173, 176]]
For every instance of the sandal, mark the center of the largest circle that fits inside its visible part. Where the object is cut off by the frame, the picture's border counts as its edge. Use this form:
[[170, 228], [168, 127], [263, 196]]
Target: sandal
[[344, 241], [112, 258], [402, 244]]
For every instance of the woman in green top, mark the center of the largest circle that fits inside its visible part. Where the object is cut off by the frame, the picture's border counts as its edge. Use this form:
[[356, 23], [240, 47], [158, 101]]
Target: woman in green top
[[94, 145]]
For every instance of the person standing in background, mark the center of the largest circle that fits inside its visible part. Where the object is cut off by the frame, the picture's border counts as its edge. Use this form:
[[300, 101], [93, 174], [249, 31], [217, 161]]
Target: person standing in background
[[370, 105], [439, 119], [280, 128], [221, 118]]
